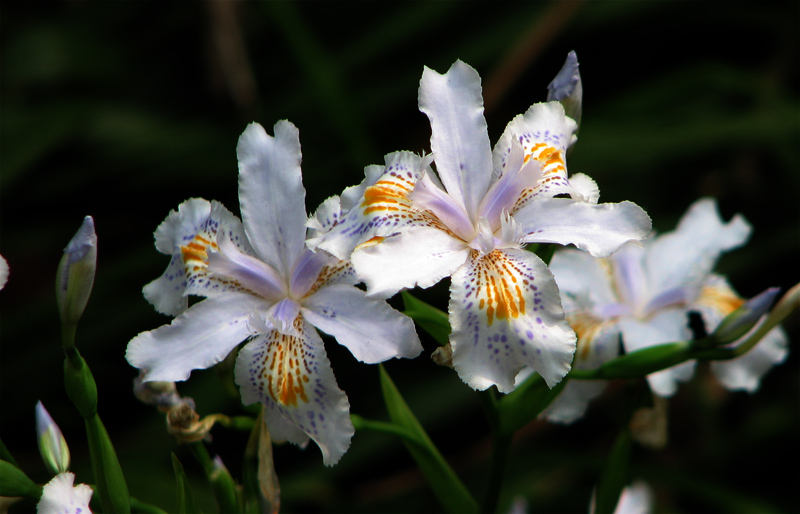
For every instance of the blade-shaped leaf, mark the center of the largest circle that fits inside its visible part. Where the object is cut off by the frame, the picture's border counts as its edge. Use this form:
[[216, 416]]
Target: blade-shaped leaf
[[16, 483], [431, 319], [526, 402], [614, 475], [184, 499], [111, 483], [447, 487]]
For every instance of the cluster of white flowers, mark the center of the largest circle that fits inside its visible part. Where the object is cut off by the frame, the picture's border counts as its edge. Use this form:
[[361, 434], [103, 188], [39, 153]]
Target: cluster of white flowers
[[270, 278]]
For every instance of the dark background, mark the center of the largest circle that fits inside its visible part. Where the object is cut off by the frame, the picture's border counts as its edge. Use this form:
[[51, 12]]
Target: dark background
[[122, 110]]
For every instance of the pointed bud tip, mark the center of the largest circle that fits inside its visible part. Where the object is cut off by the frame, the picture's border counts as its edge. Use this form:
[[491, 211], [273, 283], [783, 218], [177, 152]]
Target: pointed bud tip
[[76, 271], [567, 89], [83, 241], [52, 445], [565, 82], [743, 319]]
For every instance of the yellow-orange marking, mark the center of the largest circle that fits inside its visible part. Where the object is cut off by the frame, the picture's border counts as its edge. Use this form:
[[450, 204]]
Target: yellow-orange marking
[[501, 300], [284, 373]]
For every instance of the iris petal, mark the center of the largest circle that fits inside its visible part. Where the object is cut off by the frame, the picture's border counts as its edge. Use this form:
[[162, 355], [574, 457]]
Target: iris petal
[[292, 377], [506, 313]]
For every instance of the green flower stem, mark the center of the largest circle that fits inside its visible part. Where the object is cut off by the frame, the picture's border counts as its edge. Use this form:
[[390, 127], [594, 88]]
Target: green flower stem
[[501, 444], [243, 423], [203, 458], [220, 479], [82, 391], [638, 363], [383, 427], [68, 335]]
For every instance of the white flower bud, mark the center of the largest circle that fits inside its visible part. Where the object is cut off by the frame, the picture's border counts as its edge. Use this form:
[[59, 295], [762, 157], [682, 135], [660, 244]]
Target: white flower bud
[[52, 445], [76, 273]]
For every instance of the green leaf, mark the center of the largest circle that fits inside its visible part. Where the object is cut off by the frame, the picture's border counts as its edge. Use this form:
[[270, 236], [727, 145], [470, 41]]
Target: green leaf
[[140, 507], [111, 485], [185, 500], [545, 251], [447, 487], [431, 319], [16, 483], [526, 402], [614, 475], [6, 455], [382, 427]]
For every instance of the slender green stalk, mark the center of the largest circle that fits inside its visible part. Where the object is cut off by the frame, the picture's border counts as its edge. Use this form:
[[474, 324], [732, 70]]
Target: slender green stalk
[[218, 477], [68, 335], [501, 444], [203, 458]]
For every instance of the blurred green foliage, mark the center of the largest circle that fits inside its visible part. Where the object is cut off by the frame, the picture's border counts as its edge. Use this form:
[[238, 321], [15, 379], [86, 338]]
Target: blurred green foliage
[[121, 110]]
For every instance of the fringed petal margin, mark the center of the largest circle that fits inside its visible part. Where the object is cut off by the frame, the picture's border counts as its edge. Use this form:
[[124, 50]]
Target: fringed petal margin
[[293, 378], [506, 313]]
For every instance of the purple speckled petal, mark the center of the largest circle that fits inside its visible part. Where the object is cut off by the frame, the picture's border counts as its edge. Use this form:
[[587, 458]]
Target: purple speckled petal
[[384, 208], [292, 377], [506, 313], [187, 235], [544, 133]]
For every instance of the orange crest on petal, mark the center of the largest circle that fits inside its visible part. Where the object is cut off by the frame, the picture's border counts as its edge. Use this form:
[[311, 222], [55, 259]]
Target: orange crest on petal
[[285, 369], [500, 286]]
